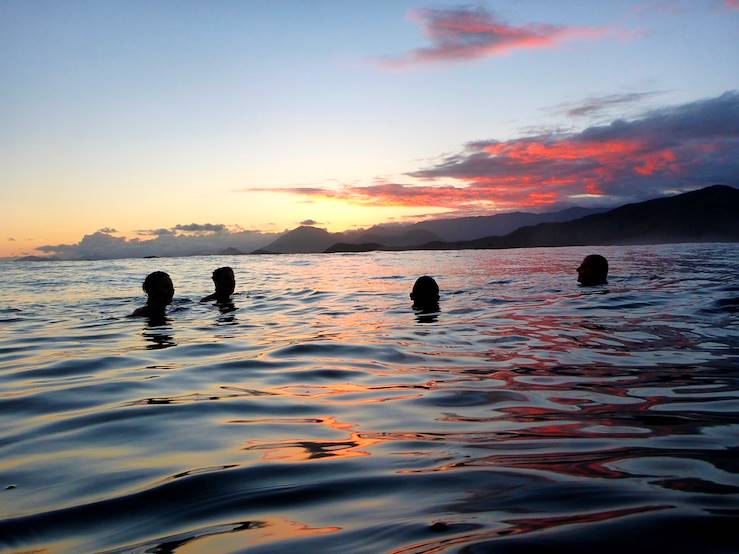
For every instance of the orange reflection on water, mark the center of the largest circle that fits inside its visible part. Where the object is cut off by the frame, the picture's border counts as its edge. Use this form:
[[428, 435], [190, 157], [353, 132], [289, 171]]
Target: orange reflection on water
[[246, 535], [355, 445]]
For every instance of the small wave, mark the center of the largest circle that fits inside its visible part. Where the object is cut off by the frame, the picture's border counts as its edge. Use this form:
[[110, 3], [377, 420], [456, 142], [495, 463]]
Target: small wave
[[323, 414]]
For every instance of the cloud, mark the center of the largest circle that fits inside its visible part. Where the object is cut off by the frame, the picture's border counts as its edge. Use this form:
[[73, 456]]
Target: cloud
[[11, 239], [732, 4], [677, 148], [201, 228], [101, 245], [107, 230], [310, 222], [685, 146], [387, 194], [470, 33], [155, 232], [596, 106]]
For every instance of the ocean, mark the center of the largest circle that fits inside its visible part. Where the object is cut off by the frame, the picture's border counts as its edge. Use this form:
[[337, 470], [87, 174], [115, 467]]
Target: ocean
[[320, 413]]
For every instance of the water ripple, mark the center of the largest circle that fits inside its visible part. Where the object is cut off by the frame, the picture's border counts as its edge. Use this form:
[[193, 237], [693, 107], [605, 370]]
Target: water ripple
[[320, 413]]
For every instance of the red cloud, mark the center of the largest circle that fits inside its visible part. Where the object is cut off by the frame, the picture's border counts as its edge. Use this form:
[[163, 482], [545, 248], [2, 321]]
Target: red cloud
[[604, 156], [470, 33], [391, 194], [484, 195], [683, 147], [732, 4]]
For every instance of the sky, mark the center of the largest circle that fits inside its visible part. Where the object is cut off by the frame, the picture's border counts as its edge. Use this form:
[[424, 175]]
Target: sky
[[131, 120]]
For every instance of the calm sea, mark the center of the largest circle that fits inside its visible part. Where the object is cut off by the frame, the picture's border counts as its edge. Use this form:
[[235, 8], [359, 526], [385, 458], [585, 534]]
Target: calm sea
[[320, 414]]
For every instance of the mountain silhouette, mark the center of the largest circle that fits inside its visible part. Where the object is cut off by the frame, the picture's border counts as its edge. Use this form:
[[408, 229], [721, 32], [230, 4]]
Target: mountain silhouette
[[475, 227], [230, 251], [710, 214], [391, 236], [303, 239], [458, 228], [307, 239], [361, 247]]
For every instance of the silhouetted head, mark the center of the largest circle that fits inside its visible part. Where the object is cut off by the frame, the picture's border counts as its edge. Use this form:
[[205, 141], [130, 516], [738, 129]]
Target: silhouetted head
[[593, 270], [159, 288], [425, 292], [225, 282]]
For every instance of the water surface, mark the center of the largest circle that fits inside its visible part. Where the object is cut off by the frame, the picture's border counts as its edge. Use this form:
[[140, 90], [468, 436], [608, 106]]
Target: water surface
[[320, 413]]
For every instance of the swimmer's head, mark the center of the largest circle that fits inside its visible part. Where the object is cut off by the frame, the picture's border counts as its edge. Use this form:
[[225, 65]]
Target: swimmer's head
[[225, 282], [159, 288], [425, 292], [593, 270]]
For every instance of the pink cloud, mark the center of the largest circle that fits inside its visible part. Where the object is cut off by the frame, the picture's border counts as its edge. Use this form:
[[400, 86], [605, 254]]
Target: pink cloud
[[388, 194], [732, 4], [466, 33], [681, 147]]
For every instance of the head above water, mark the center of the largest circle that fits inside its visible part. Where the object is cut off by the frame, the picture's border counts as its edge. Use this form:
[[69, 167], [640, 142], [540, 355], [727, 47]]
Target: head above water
[[425, 292], [225, 282], [593, 270], [159, 288]]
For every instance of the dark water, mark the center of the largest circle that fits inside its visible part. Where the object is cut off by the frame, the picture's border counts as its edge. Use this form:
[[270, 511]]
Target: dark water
[[321, 415]]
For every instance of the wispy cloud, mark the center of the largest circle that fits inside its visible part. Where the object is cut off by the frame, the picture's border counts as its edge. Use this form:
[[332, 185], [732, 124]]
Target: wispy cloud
[[310, 222], [470, 33], [387, 194], [201, 228], [680, 7], [155, 232], [189, 228], [675, 148], [596, 106]]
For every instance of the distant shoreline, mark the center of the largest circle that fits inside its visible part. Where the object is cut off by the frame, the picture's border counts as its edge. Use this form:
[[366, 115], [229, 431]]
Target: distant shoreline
[[396, 249]]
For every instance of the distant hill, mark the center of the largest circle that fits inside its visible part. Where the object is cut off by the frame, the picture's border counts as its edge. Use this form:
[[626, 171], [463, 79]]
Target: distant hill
[[306, 239], [303, 239], [710, 214], [230, 251], [470, 228], [391, 236], [362, 247]]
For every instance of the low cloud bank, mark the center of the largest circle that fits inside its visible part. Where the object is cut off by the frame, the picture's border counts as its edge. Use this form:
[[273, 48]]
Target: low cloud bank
[[195, 239]]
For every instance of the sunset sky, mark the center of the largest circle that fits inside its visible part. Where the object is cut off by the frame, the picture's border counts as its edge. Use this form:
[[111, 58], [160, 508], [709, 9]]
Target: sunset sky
[[140, 116]]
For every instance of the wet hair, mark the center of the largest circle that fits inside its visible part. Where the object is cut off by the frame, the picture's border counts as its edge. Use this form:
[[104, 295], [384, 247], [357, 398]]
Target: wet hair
[[153, 278], [225, 282], [593, 270], [222, 272], [425, 291]]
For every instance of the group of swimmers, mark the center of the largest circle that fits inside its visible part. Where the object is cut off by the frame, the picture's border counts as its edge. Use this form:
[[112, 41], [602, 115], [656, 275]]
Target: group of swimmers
[[425, 294], [159, 291]]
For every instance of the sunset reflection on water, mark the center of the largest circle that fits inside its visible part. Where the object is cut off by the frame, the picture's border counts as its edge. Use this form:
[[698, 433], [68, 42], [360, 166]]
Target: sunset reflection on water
[[320, 412]]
